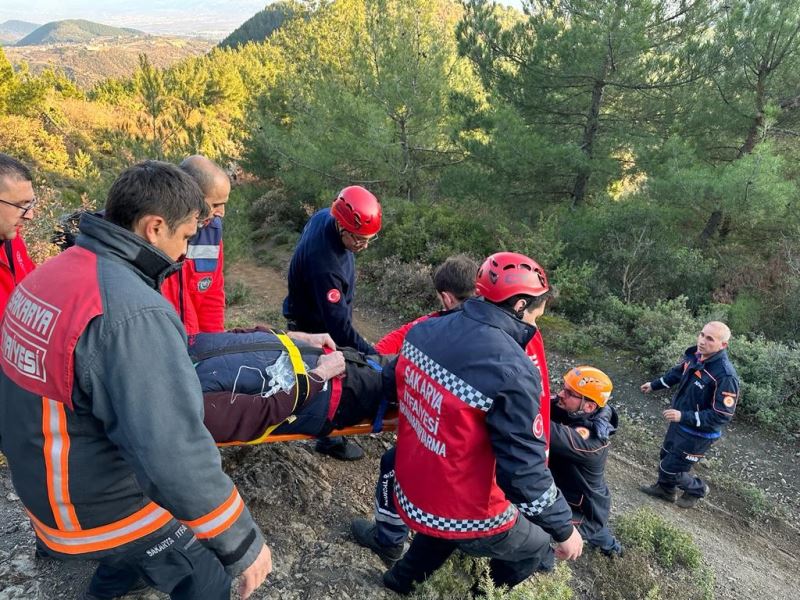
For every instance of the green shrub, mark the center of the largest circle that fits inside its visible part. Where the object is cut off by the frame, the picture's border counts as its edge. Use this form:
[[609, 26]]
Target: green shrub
[[237, 230], [236, 293], [458, 576], [658, 334], [276, 213], [403, 288], [669, 545], [770, 374]]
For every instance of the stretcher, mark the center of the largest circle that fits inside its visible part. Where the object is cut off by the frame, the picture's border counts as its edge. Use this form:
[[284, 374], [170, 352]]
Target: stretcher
[[389, 424]]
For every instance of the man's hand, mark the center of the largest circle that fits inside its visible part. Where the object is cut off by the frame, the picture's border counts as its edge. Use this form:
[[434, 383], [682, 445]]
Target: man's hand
[[672, 415], [571, 548], [646, 387], [329, 366], [254, 575], [317, 340]]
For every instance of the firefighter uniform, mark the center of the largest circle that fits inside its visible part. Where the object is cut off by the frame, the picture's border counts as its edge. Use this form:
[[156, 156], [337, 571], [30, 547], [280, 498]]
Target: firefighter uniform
[[101, 422], [706, 394]]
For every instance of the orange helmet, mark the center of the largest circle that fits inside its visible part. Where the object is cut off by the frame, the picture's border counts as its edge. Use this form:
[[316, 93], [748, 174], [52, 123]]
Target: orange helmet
[[505, 274], [357, 210], [591, 383]]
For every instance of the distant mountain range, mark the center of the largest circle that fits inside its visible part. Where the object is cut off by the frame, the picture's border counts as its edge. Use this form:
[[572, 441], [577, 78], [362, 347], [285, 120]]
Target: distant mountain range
[[74, 31], [13, 31]]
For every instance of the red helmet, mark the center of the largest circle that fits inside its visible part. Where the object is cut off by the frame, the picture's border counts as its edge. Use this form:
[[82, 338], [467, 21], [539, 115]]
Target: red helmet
[[506, 274], [357, 210]]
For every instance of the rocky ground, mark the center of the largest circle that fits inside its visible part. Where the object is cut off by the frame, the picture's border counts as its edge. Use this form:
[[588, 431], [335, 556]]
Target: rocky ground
[[304, 502]]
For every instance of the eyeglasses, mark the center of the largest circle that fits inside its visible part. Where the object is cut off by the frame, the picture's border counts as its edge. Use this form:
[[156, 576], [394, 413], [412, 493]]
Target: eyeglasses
[[361, 240], [24, 208]]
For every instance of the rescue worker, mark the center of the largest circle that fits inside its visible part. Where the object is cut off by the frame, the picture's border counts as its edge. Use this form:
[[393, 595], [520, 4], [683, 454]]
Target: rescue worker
[[17, 204], [454, 281], [197, 291], [470, 460], [322, 281], [702, 405], [580, 436], [101, 411]]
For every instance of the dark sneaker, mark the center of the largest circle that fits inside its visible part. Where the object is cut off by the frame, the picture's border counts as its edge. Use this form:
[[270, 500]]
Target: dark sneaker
[[364, 533], [617, 552], [339, 448], [688, 501], [656, 491]]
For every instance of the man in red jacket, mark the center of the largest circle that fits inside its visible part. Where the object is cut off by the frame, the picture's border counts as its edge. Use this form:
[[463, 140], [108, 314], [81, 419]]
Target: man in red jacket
[[198, 291], [454, 281], [17, 203]]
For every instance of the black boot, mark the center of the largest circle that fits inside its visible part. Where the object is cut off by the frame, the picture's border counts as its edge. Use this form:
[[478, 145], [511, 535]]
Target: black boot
[[339, 448], [657, 491], [364, 533]]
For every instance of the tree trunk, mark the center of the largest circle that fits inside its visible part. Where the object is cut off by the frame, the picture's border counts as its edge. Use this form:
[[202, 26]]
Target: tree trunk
[[712, 225], [757, 126], [589, 136]]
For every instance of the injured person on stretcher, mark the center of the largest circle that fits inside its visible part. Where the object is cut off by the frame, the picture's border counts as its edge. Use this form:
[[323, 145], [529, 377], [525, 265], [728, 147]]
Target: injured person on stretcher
[[259, 382]]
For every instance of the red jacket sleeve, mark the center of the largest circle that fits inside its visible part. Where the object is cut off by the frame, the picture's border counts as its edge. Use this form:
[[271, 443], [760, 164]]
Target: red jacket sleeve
[[393, 341]]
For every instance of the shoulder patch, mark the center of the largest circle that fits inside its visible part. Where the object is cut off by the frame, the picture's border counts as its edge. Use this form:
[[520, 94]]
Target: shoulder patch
[[728, 399], [204, 284], [333, 295], [583, 432], [538, 426]]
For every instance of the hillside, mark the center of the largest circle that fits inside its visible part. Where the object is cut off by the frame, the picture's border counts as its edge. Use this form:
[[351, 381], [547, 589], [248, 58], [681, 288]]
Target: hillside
[[86, 64], [304, 501], [73, 31], [12, 30], [260, 26]]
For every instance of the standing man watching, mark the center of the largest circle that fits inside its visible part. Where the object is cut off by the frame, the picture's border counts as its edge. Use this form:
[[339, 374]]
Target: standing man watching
[[470, 459], [101, 410], [17, 204], [197, 291], [322, 281], [703, 404]]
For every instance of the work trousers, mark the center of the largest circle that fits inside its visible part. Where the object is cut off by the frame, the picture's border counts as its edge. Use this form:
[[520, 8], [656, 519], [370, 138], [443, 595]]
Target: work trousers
[[680, 452], [175, 563], [514, 555]]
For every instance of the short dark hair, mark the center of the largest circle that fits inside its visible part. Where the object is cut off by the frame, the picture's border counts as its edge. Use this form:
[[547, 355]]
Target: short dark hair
[[13, 169], [457, 276], [153, 187], [531, 302]]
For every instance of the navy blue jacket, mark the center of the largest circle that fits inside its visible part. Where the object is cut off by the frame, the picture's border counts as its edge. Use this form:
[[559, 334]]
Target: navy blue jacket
[[578, 454], [483, 345], [707, 392], [322, 284]]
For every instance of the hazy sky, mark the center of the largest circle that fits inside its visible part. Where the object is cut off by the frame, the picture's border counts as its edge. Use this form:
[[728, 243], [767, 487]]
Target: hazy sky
[[152, 16]]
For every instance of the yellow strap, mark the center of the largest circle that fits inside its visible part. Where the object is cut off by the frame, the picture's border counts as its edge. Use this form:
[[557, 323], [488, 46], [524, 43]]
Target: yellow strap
[[301, 379]]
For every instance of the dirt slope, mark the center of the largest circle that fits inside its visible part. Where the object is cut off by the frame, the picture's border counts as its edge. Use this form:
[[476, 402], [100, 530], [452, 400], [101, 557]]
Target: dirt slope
[[304, 502]]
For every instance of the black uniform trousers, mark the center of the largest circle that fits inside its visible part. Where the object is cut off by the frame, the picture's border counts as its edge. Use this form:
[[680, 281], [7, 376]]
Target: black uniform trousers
[[175, 563]]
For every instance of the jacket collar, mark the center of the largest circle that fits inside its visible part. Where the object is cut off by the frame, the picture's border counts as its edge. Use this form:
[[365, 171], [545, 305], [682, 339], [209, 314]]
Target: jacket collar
[[694, 357], [494, 316], [332, 234], [113, 242]]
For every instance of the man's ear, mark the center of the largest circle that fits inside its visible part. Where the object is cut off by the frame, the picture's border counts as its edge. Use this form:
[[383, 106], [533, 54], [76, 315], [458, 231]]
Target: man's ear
[[590, 406], [150, 227], [449, 301]]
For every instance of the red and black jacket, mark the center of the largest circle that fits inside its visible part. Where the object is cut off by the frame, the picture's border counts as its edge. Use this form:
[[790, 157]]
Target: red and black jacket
[[471, 446], [14, 265]]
